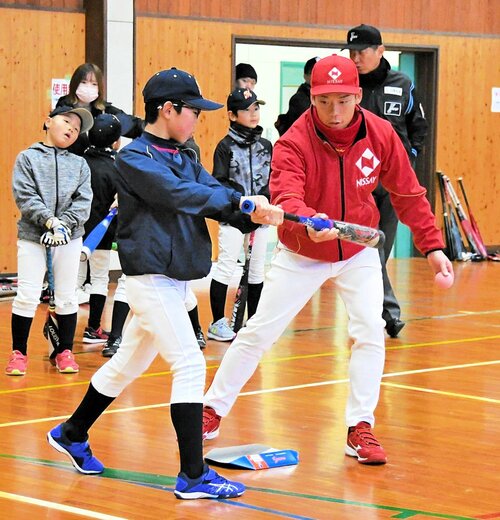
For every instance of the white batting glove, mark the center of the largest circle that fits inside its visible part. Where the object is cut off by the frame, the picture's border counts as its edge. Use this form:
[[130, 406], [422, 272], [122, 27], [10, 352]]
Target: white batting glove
[[59, 233]]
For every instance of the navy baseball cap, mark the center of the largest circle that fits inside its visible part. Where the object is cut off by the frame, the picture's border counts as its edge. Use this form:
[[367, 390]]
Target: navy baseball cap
[[241, 99], [362, 37], [86, 118], [175, 84], [106, 130]]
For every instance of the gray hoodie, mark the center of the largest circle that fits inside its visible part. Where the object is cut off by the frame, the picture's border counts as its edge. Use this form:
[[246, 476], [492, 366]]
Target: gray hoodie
[[47, 182]]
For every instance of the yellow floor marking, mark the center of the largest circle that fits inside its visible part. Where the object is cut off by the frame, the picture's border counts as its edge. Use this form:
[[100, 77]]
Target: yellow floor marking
[[442, 392], [262, 391]]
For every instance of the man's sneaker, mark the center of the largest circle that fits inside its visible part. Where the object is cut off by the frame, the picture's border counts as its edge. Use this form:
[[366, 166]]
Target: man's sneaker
[[79, 453], [221, 331], [211, 423], [17, 364], [65, 362], [200, 338], [95, 336], [111, 347], [209, 485], [361, 443]]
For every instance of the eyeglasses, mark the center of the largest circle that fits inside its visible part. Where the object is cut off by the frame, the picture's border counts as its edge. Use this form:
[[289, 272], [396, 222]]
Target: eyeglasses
[[196, 111]]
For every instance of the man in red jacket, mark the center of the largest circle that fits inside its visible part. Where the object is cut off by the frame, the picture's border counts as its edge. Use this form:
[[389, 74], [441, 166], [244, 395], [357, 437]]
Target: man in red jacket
[[327, 165]]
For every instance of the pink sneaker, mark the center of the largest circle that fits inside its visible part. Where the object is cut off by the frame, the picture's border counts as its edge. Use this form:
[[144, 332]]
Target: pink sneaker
[[17, 364], [211, 423], [65, 362]]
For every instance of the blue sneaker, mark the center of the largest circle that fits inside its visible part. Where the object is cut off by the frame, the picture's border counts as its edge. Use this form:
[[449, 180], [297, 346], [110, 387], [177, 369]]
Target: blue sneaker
[[79, 453], [208, 485]]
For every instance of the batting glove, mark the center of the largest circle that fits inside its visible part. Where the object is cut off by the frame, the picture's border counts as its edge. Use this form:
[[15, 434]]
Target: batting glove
[[59, 233]]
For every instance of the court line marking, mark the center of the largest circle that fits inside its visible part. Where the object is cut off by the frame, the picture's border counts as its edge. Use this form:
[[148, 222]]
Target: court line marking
[[441, 392], [265, 391], [59, 507], [269, 360]]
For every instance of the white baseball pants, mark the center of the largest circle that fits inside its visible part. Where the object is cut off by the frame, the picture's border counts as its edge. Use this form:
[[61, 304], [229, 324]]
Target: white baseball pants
[[159, 325], [289, 284]]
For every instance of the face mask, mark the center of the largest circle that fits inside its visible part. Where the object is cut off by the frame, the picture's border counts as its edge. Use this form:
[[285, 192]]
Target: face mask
[[87, 93]]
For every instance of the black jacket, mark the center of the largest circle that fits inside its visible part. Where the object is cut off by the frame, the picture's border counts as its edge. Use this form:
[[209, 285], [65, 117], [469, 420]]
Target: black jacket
[[297, 105], [391, 95], [103, 180]]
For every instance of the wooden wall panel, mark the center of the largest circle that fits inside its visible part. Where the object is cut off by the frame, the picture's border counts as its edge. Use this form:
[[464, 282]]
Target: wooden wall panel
[[59, 5], [458, 16], [35, 46], [467, 133]]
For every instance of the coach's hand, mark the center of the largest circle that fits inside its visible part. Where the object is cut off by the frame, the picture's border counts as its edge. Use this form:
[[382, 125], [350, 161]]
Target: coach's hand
[[265, 212], [325, 234]]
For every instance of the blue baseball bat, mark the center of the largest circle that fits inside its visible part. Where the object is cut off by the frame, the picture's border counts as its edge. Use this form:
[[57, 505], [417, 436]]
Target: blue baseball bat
[[95, 236], [361, 235]]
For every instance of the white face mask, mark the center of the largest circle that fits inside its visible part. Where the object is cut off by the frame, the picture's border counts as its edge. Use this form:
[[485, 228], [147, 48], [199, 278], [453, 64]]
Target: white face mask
[[87, 93]]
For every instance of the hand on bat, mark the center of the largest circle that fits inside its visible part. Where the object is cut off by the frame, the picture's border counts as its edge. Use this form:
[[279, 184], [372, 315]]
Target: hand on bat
[[325, 234], [264, 213]]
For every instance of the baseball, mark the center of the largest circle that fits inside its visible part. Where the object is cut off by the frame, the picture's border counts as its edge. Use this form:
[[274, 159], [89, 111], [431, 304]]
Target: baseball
[[442, 281]]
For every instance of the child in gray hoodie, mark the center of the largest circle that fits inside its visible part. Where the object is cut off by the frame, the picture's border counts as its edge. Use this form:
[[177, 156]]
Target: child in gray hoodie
[[52, 190]]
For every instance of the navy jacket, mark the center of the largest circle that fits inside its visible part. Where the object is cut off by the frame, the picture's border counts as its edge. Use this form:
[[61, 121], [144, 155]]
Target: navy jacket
[[164, 196]]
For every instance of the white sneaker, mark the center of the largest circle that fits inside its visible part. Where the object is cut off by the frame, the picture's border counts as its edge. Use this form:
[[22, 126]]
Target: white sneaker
[[221, 331]]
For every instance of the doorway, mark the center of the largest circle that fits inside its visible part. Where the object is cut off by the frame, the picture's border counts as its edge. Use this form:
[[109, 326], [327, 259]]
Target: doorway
[[279, 65]]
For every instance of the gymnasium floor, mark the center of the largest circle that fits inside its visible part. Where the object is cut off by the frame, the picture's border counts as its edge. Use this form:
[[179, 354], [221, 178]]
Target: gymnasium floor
[[438, 419]]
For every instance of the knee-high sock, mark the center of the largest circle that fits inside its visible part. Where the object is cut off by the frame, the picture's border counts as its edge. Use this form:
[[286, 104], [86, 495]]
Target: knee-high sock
[[254, 290], [218, 293], [89, 410], [96, 306], [120, 313], [67, 327], [187, 421], [20, 327]]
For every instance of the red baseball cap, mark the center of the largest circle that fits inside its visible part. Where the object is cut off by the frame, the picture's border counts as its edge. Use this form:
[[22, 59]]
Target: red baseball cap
[[334, 74]]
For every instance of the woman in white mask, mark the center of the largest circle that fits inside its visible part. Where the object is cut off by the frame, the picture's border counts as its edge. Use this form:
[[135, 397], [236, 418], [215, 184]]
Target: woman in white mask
[[86, 89]]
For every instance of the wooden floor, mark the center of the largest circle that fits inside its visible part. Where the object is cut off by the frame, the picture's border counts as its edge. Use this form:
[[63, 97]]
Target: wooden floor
[[438, 419]]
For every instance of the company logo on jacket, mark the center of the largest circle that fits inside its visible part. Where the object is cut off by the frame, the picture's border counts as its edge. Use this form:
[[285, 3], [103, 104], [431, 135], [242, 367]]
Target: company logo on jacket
[[367, 164]]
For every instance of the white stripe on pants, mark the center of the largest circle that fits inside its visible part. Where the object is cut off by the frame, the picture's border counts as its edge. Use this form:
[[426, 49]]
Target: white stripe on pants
[[159, 324], [289, 284]]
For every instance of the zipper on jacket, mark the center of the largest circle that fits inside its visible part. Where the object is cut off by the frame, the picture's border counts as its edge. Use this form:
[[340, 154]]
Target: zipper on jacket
[[251, 169], [342, 201], [57, 183]]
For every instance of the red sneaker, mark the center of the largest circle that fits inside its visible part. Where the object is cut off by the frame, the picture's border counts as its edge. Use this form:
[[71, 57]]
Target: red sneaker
[[361, 443], [211, 423], [65, 362], [17, 364]]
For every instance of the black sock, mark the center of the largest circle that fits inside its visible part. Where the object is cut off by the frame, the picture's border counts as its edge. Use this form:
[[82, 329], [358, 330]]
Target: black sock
[[67, 326], [218, 293], [195, 320], [120, 313], [87, 413], [20, 327], [187, 421], [254, 290], [96, 306]]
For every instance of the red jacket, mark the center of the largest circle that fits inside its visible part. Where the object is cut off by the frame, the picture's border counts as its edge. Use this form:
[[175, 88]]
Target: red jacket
[[309, 177]]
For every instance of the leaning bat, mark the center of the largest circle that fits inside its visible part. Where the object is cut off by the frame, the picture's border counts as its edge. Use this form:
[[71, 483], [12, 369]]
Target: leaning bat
[[95, 236], [240, 301], [361, 235], [495, 257], [472, 239], [450, 250], [51, 327]]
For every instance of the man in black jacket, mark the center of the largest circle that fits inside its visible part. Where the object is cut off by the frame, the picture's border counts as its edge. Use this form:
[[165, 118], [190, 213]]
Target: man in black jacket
[[299, 102], [391, 95]]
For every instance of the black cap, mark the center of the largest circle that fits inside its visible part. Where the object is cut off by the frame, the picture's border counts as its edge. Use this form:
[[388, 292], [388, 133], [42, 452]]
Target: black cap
[[86, 118], [362, 37], [106, 130], [308, 67], [241, 99], [245, 70], [174, 84]]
